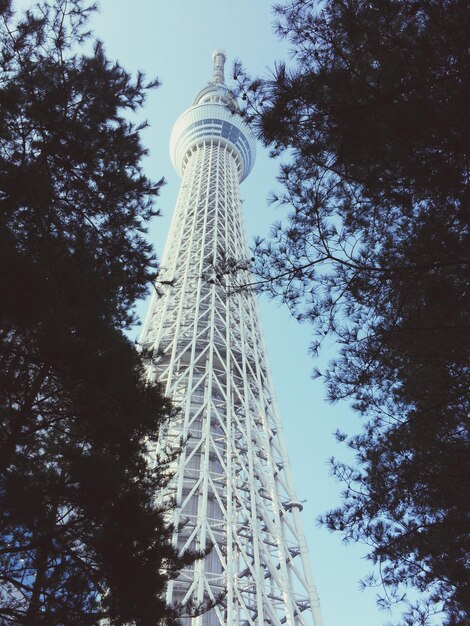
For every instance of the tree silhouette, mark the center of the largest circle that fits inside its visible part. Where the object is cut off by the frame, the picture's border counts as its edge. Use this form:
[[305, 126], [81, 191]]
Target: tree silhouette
[[373, 119], [82, 537]]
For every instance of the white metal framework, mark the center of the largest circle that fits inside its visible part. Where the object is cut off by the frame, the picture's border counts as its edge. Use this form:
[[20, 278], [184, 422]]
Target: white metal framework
[[232, 482]]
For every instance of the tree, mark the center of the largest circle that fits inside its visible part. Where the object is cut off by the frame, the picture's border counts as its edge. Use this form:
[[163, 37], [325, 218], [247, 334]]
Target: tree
[[82, 538], [373, 119]]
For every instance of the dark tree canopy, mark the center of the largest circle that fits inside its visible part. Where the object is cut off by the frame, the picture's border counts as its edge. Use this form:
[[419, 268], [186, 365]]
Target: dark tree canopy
[[373, 116], [81, 537]]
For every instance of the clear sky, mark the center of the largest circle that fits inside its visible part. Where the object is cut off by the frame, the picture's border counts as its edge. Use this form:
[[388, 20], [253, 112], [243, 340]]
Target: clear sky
[[174, 41]]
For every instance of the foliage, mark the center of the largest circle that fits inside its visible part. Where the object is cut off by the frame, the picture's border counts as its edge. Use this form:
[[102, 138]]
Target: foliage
[[373, 118], [82, 538]]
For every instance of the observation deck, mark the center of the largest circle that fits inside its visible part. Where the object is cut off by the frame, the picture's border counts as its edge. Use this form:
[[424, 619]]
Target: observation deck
[[213, 117]]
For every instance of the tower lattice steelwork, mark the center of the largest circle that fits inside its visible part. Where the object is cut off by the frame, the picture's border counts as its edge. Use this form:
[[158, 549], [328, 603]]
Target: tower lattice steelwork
[[232, 482]]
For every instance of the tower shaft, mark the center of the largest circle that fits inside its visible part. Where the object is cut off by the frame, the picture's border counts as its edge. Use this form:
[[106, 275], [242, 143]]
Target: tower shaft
[[231, 482]]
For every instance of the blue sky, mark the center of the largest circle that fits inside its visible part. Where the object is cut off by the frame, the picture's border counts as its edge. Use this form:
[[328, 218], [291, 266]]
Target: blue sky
[[174, 41]]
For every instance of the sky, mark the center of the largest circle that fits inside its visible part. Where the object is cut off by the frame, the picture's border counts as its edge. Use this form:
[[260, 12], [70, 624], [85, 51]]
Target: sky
[[174, 42]]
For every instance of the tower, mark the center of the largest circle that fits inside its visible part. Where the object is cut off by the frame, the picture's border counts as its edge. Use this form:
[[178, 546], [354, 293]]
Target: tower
[[231, 484]]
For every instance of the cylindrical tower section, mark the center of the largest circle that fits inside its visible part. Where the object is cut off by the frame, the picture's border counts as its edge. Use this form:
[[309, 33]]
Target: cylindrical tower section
[[212, 120]]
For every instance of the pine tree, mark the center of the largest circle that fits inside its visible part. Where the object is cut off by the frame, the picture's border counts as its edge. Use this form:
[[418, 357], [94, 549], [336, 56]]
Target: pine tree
[[82, 538], [374, 113]]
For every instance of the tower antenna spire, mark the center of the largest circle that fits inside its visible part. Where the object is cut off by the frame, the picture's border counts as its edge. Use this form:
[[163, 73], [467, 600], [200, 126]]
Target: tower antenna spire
[[219, 59]]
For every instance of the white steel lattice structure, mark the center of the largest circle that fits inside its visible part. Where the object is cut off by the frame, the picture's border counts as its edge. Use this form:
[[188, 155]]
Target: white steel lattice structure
[[232, 481]]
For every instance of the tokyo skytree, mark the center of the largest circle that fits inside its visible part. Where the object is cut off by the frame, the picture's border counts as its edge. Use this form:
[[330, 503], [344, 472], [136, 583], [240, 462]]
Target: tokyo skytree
[[231, 481]]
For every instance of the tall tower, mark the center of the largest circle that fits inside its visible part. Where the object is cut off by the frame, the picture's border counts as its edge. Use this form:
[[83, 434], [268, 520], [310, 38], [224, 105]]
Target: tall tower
[[232, 484]]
